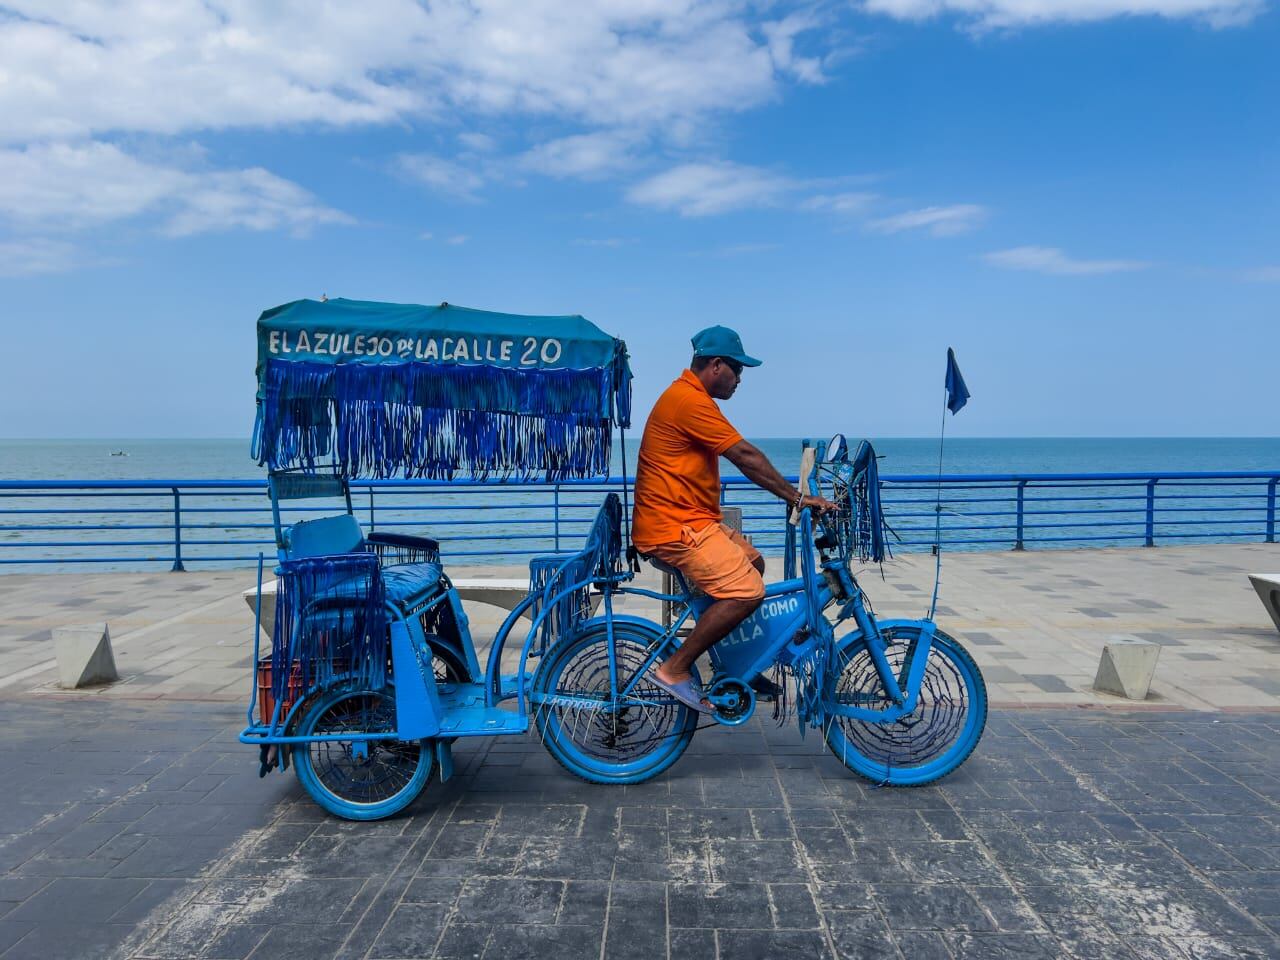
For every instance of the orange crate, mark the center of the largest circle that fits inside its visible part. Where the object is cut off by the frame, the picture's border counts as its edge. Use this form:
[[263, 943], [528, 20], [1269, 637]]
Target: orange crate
[[266, 702]]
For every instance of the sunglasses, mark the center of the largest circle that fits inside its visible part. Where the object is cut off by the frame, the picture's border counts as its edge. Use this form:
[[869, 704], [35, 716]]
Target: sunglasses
[[733, 365]]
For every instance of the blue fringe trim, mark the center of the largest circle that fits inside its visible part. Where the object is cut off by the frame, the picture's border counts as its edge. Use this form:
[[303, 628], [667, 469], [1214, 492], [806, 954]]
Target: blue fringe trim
[[868, 529], [437, 420], [806, 675], [330, 622]]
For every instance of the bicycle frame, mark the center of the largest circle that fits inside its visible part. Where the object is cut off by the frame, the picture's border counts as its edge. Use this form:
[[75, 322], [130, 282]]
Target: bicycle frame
[[787, 627]]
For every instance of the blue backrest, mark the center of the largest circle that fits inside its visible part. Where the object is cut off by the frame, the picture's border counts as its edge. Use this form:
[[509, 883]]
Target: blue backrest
[[323, 536]]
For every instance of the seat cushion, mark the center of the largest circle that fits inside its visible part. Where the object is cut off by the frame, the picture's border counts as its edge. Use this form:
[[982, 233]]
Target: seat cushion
[[409, 583], [323, 536]]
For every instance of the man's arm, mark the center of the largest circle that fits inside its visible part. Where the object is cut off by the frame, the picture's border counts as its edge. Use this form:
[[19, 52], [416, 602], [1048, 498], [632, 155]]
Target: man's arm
[[755, 466]]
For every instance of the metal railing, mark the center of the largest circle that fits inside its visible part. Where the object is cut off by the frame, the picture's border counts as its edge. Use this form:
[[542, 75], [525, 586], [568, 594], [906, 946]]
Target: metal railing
[[130, 523]]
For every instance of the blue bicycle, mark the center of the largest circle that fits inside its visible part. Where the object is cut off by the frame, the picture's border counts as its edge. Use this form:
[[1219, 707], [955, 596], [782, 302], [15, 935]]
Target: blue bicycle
[[899, 702], [372, 674]]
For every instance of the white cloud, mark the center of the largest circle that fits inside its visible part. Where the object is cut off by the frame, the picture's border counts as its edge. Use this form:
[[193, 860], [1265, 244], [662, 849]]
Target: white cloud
[[846, 204], [74, 69], [939, 221], [996, 14], [622, 71], [703, 189], [253, 199], [74, 186], [479, 142], [447, 177], [781, 35], [586, 156], [1263, 274], [69, 186], [601, 241], [1054, 261], [20, 258], [458, 239], [719, 187]]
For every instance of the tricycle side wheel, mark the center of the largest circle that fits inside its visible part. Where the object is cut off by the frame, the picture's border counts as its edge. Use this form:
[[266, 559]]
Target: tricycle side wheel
[[448, 667], [590, 733], [359, 779]]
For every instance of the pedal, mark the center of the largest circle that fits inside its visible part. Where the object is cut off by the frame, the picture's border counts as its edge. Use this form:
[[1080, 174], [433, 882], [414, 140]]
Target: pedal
[[766, 690]]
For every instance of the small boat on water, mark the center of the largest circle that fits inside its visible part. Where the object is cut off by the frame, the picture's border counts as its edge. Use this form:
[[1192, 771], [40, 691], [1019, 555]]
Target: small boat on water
[[118, 453]]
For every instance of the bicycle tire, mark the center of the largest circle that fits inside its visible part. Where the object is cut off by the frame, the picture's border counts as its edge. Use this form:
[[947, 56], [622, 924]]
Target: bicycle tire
[[898, 753]]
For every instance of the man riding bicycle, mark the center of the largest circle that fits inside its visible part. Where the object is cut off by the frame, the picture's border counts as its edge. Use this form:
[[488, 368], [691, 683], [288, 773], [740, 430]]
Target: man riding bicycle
[[677, 519]]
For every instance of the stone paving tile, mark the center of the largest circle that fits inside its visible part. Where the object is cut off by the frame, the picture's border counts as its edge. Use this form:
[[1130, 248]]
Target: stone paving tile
[[147, 834], [1035, 621]]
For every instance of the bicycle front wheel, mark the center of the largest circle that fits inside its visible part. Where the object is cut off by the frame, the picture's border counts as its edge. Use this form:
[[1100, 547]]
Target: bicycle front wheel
[[927, 744], [594, 734]]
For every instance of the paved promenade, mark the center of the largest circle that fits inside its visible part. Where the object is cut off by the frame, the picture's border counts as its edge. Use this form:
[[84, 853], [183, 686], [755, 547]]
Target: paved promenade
[[134, 825], [1035, 621]]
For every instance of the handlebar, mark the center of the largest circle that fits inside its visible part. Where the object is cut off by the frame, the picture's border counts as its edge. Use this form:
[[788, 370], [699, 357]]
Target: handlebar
[[827, 536]]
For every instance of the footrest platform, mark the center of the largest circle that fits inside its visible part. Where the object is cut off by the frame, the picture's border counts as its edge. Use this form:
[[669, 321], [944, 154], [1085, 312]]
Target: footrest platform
[[463, 713]]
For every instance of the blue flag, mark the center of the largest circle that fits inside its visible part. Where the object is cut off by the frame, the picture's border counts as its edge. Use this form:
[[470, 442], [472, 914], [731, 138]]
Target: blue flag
[[957, 392]]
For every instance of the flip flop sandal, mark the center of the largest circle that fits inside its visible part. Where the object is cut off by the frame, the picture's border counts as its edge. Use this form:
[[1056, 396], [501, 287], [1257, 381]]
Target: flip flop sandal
[[686, 691]]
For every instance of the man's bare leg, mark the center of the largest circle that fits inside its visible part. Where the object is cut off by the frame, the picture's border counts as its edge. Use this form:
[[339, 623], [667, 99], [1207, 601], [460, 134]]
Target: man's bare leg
[[712, 627]]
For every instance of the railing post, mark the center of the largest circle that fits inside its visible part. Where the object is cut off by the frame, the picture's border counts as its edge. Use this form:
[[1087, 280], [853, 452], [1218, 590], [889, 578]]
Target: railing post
[[1271, 509], [1022, 486], [177, 533], [372, 522], [557, 509], [1151, 513]]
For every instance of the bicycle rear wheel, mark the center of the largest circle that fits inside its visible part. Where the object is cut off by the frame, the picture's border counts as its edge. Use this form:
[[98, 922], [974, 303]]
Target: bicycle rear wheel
[[590, 733], [928, 743]]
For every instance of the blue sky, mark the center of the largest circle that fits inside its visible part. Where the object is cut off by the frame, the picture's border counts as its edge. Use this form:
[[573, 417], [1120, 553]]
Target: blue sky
[[1080, 196]]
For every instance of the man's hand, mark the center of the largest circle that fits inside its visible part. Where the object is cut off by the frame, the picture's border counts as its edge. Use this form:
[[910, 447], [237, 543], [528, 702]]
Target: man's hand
[[821, 504]]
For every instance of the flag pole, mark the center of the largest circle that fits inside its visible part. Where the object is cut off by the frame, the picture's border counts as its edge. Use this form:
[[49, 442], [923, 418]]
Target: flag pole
[[937, 511]]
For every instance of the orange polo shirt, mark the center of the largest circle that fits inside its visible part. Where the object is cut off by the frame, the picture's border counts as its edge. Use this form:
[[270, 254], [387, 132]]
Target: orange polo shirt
[[678, 470]]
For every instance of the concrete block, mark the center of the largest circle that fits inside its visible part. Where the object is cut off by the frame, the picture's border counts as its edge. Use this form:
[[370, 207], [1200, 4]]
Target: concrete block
[[1127, 667], [84, 655], [268, 604], [1268, 587]]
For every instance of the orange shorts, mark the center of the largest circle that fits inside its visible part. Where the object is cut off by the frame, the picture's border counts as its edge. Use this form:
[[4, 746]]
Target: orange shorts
[[717, 560]]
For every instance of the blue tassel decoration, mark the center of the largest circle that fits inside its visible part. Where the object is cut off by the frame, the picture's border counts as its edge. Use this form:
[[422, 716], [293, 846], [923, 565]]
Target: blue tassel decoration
[[866, 529], [806, 674], [330, 622], [438, 420]]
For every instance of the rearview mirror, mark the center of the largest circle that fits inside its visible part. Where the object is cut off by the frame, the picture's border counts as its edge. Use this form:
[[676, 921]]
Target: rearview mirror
[[837, 449]]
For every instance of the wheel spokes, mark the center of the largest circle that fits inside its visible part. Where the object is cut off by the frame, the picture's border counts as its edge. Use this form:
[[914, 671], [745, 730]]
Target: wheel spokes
[[362, 771], [918, 738], [584, 710]]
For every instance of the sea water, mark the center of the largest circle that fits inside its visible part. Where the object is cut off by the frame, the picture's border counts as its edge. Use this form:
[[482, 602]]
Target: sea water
[[122, 459], [123, 530]]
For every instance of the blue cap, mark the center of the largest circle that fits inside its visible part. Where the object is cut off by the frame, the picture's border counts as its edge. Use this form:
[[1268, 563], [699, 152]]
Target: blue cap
[[721, 342]]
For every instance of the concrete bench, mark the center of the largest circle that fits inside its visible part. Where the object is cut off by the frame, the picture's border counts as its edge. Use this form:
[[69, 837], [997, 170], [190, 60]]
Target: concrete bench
[[1268, 587], [505, 593], [499, 592]]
